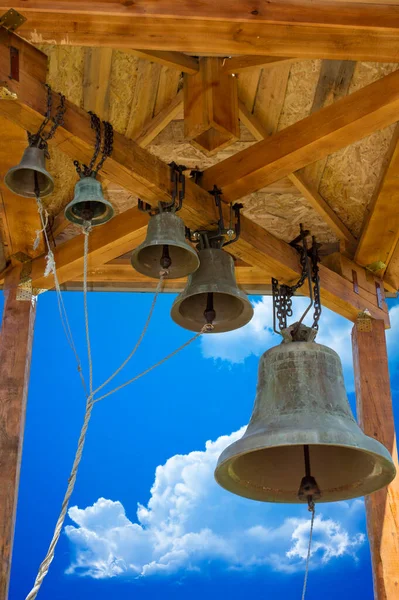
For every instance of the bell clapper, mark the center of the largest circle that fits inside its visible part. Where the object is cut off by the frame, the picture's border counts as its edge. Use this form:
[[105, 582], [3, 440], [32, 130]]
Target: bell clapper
[[209, 312], [165, 261]]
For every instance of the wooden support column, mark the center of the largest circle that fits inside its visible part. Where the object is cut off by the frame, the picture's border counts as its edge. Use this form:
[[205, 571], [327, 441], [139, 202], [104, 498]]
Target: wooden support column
[[374, 409], [211, 107], [15, 354]]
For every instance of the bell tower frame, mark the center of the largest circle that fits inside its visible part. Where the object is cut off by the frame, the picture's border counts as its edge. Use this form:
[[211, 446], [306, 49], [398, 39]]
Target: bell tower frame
[[375, 416], [250, 35]]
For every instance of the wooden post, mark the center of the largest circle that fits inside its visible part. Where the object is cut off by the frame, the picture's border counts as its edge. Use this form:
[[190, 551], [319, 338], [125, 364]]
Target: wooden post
[[374, 409], [211, 107], [15, 354]]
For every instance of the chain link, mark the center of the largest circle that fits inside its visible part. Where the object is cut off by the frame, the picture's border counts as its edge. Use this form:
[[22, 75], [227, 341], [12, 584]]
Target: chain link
[[282, 294], [40, 139], [106, 148]]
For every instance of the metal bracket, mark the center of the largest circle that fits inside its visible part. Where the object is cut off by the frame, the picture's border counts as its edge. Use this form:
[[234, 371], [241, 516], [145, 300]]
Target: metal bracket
[[12, 19]]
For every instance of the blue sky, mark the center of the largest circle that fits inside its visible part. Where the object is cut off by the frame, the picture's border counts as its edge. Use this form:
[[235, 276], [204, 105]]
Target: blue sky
[[147, 519]]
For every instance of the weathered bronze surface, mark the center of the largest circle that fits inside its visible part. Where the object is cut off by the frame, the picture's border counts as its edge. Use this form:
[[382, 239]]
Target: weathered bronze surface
[[215, 276], [22, 178], [89, 203], [301, 400], [165, 229]]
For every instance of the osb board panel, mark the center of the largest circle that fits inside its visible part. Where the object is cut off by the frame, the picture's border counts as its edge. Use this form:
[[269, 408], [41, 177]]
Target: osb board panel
[[351, 175], [281, 214], [301, 88]]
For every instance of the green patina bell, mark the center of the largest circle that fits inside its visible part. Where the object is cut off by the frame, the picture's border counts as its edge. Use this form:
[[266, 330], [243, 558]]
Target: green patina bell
[[165, 247], [89, 204], [212, 296], [301, 404], [31, 171]]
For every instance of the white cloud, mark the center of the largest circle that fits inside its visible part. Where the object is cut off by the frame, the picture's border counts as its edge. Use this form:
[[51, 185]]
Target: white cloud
[[190, 521], [257, 336]]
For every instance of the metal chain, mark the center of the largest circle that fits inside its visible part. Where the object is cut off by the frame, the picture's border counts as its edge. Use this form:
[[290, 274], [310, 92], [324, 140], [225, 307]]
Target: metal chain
[[312, 509], [106, 148], [282, 294], [316, 285], [40, 139]]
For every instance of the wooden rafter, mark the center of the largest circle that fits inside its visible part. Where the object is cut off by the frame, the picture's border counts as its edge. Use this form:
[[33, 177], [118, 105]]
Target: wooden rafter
[[338, 31], [322, 133], [306, 189], [237, 64], [380, 232], [150, 130], [96, 81], [144, 174], [177, 60]]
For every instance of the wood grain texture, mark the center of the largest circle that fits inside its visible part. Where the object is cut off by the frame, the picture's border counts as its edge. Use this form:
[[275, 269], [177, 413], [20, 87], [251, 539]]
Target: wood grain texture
[[176, 60], [380, 231], [155, 125], [322, 133], [374, 409], [15, 355], [325, 30], [211, 107], [237, 64], [96, 81]]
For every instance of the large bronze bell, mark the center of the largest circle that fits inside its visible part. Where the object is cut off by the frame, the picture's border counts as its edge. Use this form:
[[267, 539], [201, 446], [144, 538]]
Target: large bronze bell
[[212, 296], [300, 404], [31, 172], [89, 204], [165, 247]]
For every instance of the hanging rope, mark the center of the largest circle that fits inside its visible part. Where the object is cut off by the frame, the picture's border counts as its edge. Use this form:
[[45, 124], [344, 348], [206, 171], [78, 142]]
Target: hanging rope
[[90, 401], [312, 509]]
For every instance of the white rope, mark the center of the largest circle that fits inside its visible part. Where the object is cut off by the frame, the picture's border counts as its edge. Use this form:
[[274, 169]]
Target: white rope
[[86, 232], [305, 583], [45, 565], [52, 268]]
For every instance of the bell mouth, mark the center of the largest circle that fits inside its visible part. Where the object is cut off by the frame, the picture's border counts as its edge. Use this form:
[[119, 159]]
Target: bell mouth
[[90, 210], [22, 181], [148, 261], [274, 474], [231, 311]]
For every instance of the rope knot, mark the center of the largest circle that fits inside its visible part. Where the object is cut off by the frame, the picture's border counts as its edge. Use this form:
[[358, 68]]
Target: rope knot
[[207, 328], [163, 273]]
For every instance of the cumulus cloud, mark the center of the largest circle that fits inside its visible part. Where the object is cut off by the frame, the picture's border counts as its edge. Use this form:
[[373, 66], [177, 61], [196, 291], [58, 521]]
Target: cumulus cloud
[[258, 336], [190, 521]]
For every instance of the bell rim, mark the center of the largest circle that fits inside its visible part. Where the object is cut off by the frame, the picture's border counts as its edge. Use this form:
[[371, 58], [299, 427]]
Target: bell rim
[[181, 274], [222, 477], [246, 314], [48, 190], [109, 214]]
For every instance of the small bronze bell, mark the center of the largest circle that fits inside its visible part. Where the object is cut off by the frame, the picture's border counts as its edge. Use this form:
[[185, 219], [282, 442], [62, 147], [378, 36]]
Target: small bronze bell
[[31, 171], [89, 204], [212, 296], [165, 247], [301, 403]]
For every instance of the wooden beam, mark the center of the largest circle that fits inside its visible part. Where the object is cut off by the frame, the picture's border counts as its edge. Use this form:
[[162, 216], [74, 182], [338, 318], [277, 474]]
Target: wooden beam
[[252, 280], [177, 60], [154, 126], [237, 64], [15, 355], [123, 233], [380, 232], [144, 97], [144, 174], [304, 187], [97, 80], [20, 218], [334, 80], [322, 207], [374, 409], [337, 31], [211, 107], [326, 131]]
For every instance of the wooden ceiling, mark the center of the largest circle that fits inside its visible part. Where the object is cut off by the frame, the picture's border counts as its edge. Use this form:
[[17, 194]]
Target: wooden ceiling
[[318, 99]]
